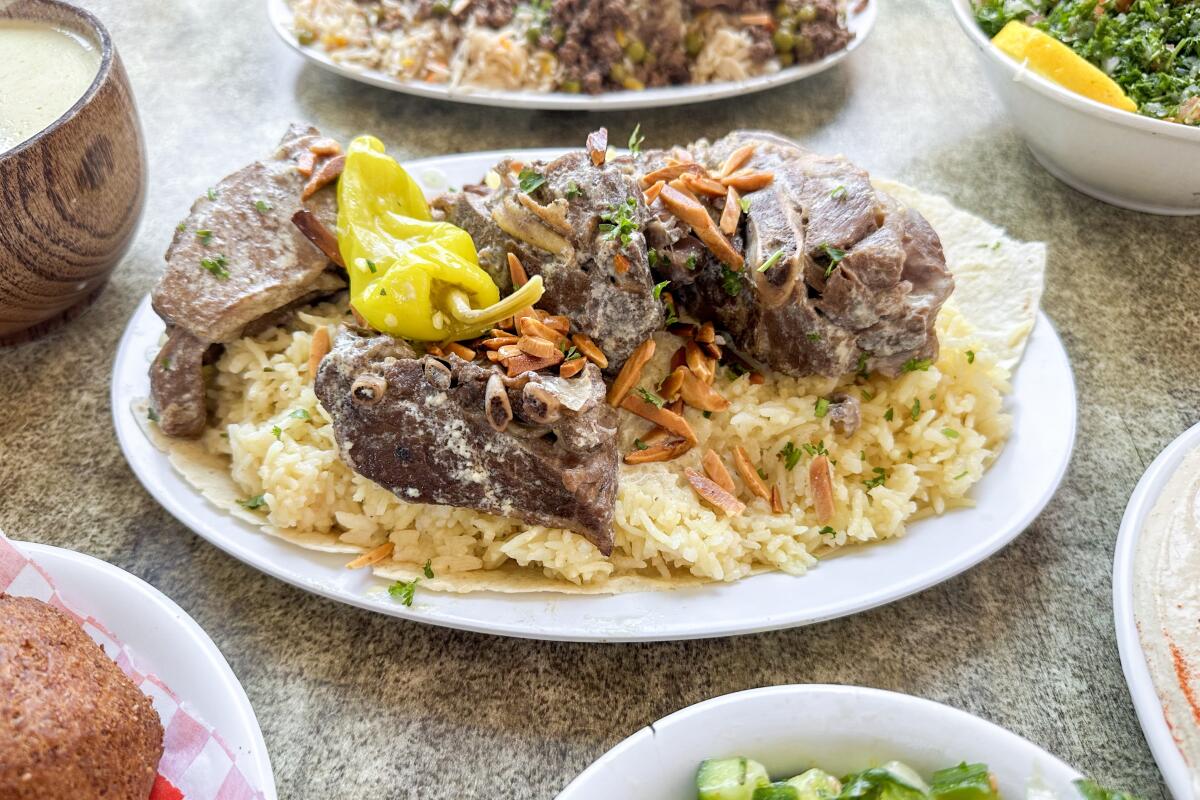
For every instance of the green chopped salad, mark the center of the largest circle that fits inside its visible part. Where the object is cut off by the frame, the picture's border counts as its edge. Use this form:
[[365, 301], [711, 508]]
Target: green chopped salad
[[1151, 48]]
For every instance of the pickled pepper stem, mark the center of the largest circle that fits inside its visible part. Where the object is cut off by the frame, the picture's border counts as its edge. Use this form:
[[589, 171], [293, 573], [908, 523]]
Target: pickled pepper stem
[[458, 305]]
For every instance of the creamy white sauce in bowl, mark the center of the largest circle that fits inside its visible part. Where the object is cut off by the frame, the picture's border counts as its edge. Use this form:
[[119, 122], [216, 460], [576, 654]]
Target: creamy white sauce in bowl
[[44, 71]]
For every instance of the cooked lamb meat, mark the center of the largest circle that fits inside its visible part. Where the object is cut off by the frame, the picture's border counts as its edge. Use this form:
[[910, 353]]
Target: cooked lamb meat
[[581, 230], [589, 47], [855, 280], [450, 432], [845, 413], [236, 259]]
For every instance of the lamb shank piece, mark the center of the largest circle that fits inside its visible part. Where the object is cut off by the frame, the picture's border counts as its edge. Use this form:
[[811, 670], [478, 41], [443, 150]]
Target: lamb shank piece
[[853, 280], [450, 432], [236, 260], [580, 228]]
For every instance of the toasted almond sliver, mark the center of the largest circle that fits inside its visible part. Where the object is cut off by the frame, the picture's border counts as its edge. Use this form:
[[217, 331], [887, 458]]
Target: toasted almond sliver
[[524, 312], [306, 162], [737, 159], [679, 358], [706, 333], [675, 406], [669, 173], [463, 352], [715, 468], [696, 360], [557, 322], [681, 187], [435, 350], [620, 264], [776, 501], [820, 481], [570, 369], [741, 462], [631, 372], [655, 435], [765, 20], [496, 342], [372, 556], [671, 384], [318, 349], [517, 272], [651, 194], [714, 495], [698, 394], [732, 212], [748, 180], [494, 355], [702, 185], [711, 350], [659, 452], [327, 173], [511, 350], [589, 349], [537, 346], [325, 147], [684, 330], [526, 363], [696, 216], [530, 326], [674, 423], [597, 146], [757, 378]]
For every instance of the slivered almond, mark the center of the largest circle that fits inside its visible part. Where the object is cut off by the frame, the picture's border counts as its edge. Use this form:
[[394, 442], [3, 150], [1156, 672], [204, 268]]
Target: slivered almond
[[712, 371], [325, 147], [537, 346], [698, 394], [463, 352], [675, 406], [671, 384], [715, 468], [741, 462], [651, 194], [711, 349], [714, 495], [589, 349], [704, 185], [672, 422], [534, 327], [706, 333], [500, 332], [511, 350], [696, 360], [696, 217], [732, 212], [737, 159], [517, 272], [570, 369], [493, 355], [557, 322], [678, 359], [496, 342], [658, 452], [434, 350], [631, 372], [776, 501], [620, 264], [669, 172], [684, 330], [528, 311], [597, 146], [306, 162], [681, 187], [757, 378], [655, 435], [820, 481], [318, 349], [748, 180], [527, 363], [327, 173], [372, 556]]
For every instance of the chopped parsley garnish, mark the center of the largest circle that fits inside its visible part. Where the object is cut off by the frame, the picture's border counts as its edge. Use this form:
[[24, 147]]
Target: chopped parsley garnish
[[868, 394], [835, 256], [861, 369], [300, 413], [651, 397], [839, 193], [888, 415], [961, 475], [573, 190], [276, 431], [571, 353], [817, 449], [731, 281], [881, 476], [404, 590], [639, 444], [371, 266], [181, 227], [771, 260], [822, 407], [635, 140], [707, 414], [916, 409], [658, 287], [204, 235], [950, 433], [382, 292], [165, 364], [252, 503], [762, 473], [672, 317], [691, 262], [652, 257], [529, 180], [216, 266], [263, 206], [970, 356], [428, 568], [827, 531], [813, 337], [790, 455], [617, 223], [744, 202], [212, 194], [151, 415], [917, 365]]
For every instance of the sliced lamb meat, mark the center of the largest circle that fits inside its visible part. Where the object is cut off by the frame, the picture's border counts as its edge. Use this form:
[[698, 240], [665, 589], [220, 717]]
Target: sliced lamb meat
[[589, 47], [536, 447], [581, 230], [235, 264], [855, 280]]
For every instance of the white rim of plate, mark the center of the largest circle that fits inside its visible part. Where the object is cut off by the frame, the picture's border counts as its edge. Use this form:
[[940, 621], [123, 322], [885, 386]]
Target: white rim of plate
[[860, 694], [115, 582], [1133, 658], [861, 23]]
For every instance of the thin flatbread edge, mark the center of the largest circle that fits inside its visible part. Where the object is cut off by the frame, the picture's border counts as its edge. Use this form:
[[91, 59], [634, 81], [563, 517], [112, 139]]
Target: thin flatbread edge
[[998, 285]]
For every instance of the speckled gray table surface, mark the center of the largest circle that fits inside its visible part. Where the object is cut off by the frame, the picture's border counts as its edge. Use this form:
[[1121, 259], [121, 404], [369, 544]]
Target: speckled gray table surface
[[354, 704]]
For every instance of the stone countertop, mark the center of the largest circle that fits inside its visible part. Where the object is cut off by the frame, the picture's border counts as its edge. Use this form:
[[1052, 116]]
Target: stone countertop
[[396, 709]]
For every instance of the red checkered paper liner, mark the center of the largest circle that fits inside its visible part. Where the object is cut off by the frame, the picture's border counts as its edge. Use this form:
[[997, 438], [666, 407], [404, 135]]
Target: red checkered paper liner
[[196, 762]]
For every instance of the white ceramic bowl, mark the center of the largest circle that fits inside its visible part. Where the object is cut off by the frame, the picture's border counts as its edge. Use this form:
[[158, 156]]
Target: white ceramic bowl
[[840, 729], [1119, 157]]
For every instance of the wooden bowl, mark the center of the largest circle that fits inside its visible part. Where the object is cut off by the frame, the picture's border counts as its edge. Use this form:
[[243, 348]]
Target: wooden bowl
[[71, 196]]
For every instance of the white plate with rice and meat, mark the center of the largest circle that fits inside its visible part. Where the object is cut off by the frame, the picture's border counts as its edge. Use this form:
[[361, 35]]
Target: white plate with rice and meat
[[595, 396], [571, 55]]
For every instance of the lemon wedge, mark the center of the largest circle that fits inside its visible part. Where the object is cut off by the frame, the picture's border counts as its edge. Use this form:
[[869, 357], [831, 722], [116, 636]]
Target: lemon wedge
[[1053, 60]]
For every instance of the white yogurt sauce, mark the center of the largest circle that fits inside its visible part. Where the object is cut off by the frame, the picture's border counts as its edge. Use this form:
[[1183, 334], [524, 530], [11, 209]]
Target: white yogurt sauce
[[43, 71]]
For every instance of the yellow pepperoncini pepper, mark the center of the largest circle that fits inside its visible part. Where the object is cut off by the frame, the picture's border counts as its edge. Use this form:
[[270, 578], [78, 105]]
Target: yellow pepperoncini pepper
[[412, 276]]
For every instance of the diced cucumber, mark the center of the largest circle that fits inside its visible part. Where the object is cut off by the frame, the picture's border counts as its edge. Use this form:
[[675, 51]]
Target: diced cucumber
[[816, 784], [906, 776], [964, 782], [730, 779], [777, 791]]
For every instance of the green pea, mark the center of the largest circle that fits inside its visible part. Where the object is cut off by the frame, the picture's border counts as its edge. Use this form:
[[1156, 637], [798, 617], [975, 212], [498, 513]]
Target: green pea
[[305, 37], [782, 10], [618, 72], [806, 13], [786, 59], [558, 34], [571, 86], [693, 42], [804, 47], [441, 8], [636, 51], [783, 40]]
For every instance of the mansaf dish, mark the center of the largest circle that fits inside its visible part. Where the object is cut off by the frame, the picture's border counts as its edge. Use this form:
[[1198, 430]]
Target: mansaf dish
[[601, 373]]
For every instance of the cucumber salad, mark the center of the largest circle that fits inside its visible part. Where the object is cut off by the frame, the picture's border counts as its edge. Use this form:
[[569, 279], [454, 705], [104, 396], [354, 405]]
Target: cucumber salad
[[746, 779]]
